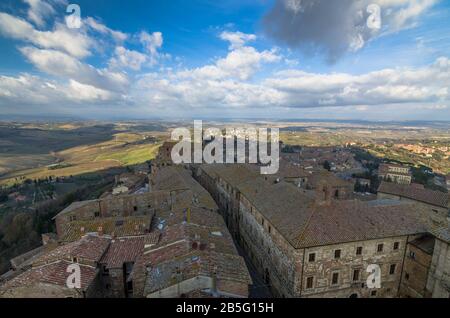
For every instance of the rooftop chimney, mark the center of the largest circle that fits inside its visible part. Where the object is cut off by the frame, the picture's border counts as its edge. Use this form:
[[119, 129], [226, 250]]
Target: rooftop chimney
[[323, 195]]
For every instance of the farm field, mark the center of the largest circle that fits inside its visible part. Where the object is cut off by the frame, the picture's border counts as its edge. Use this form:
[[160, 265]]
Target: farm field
[[33, 152]]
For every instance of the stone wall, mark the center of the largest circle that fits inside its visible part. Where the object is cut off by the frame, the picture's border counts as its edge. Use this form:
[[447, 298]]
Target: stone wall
[[415, 273], [438, 283], [325, 264]]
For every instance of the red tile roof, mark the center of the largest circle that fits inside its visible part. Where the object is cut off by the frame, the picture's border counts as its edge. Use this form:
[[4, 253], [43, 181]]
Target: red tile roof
[[123, 250], [412, 192], [349, 221], [304, 222], [54, 273], [90, 248]]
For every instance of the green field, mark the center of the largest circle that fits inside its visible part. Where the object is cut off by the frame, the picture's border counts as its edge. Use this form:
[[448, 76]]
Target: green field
[[132, 156], [38, 152]]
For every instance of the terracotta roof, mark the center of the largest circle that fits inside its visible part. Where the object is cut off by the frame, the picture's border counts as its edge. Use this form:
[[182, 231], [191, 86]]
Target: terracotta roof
[[428, 196], [117, 226], [304, 222], [288, 208], [289, 170], [224, 266], [442, 233], [123, 250], [77, 205], [180, 244], [233, 174], [90, 248], [320, 177], [198, 216], [348, 221], [177, 178], [54, 273]]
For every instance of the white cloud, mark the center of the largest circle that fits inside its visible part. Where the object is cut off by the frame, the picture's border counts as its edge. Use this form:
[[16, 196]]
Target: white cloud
[[203, 88], [241, 62], [403, 13], [26, 90], [227, 83], [82, 92], [237, 39], [124, 58], [39, 10], [152, 43], [73, 42], [65, 66], [103, 29]]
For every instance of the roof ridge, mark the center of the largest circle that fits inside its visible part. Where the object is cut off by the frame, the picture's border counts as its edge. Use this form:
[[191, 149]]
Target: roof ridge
[[308, 222]]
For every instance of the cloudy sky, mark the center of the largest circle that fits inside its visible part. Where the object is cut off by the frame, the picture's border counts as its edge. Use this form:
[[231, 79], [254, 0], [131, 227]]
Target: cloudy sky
[[335, 59]]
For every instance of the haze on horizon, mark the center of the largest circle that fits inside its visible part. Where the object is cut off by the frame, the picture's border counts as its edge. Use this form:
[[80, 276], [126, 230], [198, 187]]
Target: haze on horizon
[[229, 59]]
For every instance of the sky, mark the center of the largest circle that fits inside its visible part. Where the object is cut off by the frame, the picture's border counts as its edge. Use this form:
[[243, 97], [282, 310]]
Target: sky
[[272, 59]]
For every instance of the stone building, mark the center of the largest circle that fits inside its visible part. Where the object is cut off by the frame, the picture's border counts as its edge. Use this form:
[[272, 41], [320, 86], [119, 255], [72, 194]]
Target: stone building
[[417, 263], [323, 249], [48, 275], [438, 283], [325, 183], [118, 215], [395, 173], [195, 254], [306, 245], [133, 245]]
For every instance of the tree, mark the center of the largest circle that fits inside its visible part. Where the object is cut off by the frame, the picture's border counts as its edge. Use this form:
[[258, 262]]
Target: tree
[[3, 197]]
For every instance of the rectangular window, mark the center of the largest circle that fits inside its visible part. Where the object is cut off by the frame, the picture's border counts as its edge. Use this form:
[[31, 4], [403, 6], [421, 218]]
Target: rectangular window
[[396, 246], [337, 254], [359, 250], [356, 273], [312, 257], [380, 248], [392, 269], [335, 279], [406, 276], [309, 282]]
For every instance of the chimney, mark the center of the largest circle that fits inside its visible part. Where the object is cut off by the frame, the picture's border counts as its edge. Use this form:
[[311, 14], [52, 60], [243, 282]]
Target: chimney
[[323, 195]]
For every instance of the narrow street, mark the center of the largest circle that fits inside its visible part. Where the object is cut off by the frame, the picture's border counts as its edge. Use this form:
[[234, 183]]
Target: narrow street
[[258, 289]]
